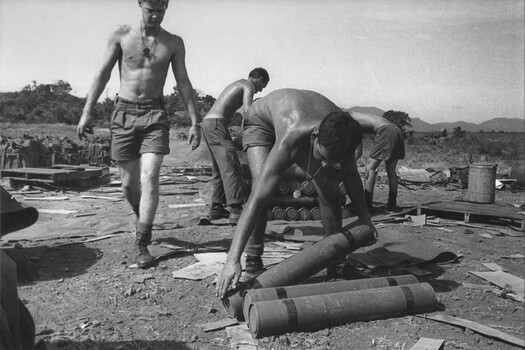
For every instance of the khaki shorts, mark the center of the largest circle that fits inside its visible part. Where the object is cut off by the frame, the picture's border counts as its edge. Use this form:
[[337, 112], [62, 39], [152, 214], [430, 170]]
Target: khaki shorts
[[139, 127], [388, 144], [257, 133]]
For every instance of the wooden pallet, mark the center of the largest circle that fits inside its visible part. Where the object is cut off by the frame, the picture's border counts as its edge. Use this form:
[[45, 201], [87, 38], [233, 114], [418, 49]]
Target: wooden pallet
[[58, 175], [494, 210]]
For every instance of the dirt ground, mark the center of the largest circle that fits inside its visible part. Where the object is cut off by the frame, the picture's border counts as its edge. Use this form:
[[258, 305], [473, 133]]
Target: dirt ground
[[87, 297]]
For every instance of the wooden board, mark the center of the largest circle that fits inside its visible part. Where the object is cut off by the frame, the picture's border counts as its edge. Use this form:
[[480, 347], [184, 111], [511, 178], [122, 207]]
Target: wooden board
[[494, 210]]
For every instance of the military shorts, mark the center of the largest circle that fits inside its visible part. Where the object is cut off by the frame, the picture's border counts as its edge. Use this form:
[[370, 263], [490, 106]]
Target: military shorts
[[139, 127]]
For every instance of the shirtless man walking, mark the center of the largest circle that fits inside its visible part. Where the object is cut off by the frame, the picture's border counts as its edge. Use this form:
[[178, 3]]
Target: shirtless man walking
[[227, 180], [139, 122], [303, 127], [388, 146]]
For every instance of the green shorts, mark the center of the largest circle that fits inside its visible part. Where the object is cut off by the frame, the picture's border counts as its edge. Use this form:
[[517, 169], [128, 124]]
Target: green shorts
[[139, 127]]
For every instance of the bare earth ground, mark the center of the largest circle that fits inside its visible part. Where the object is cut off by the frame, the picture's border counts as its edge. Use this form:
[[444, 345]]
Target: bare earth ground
[[88, 298]]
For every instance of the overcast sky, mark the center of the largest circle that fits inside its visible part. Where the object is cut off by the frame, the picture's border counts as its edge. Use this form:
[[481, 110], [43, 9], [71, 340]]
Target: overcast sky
[[438, 60]]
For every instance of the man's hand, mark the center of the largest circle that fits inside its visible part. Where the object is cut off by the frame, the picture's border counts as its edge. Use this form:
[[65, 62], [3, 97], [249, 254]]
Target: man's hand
[[374, 229], [194, 137], [84, 128], [231, 272]]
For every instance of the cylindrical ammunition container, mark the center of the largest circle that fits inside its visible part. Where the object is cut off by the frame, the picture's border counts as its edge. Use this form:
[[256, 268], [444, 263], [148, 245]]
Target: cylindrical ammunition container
[[304, 213], [308, 188], [295, 186], [311, 313], [292, 213], [304, 263], [301, 290], [315, 213], [287, 201], [278, 213]]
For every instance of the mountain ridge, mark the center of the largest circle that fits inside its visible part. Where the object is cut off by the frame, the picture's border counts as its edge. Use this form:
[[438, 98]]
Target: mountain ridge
[[418, 125]]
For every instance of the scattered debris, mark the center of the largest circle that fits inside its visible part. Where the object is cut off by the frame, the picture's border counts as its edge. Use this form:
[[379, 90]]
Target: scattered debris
[[142, 278], [214, 326], [186, 205], [417, 220], [428, 344], [241, 338], [493, 266], [197, 271], [114, 199], [513, 256], [57, 211], [52, 198]]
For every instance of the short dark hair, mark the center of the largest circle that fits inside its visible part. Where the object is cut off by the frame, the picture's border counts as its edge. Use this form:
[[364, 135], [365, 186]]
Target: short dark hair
[[339, 134], [259, 73]]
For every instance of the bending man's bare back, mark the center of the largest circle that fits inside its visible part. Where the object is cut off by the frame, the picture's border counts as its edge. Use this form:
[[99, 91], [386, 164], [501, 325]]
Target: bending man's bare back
[[284, 128]]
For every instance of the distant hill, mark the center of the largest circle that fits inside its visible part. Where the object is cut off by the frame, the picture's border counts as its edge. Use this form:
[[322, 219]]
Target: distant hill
[[419, 125], [370, 110], [495, 124]]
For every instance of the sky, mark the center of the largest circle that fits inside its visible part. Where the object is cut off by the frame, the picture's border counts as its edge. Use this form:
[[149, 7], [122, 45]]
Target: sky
[[437, 60]]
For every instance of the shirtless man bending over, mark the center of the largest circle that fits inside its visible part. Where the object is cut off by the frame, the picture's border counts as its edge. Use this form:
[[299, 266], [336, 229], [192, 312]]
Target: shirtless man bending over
[[227, 179], [388, 146], [139, 122], [294, 126]]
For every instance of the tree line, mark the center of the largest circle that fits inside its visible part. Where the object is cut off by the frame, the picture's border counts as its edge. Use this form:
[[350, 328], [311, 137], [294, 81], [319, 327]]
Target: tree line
[[54, 103]]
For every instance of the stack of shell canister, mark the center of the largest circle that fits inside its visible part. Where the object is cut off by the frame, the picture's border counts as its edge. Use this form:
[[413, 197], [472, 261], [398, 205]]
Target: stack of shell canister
[[296, 200]]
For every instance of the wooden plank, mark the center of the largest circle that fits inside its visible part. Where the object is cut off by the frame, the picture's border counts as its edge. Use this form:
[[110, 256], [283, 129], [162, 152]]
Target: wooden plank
[[428, 344], [497, 209], [503, 280], [476, 327]]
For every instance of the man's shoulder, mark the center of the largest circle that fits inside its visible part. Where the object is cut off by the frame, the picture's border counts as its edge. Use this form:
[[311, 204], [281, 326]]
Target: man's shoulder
[[122, 29], [173, 38], [241, 83]]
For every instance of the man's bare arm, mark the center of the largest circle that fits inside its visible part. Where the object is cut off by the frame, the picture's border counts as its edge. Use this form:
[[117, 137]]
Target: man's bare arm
[[354, 186], [277, 162], [185, 88], [247, 98], [111, 56]]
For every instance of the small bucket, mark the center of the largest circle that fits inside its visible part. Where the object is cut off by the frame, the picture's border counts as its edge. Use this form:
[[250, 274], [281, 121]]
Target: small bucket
[[482, 182]]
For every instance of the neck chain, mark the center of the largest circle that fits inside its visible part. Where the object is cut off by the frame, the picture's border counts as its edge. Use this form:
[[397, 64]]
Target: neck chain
[[309, 178], [146, 51]]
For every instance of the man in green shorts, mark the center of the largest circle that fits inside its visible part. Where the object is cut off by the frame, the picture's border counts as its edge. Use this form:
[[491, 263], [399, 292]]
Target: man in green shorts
[[227, 179], [388, 146], [287, 127], [139, 122]]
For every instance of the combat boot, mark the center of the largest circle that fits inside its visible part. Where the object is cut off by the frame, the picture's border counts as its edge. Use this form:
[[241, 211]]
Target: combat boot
[[142, 240], [391, 205], [218, 212]]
